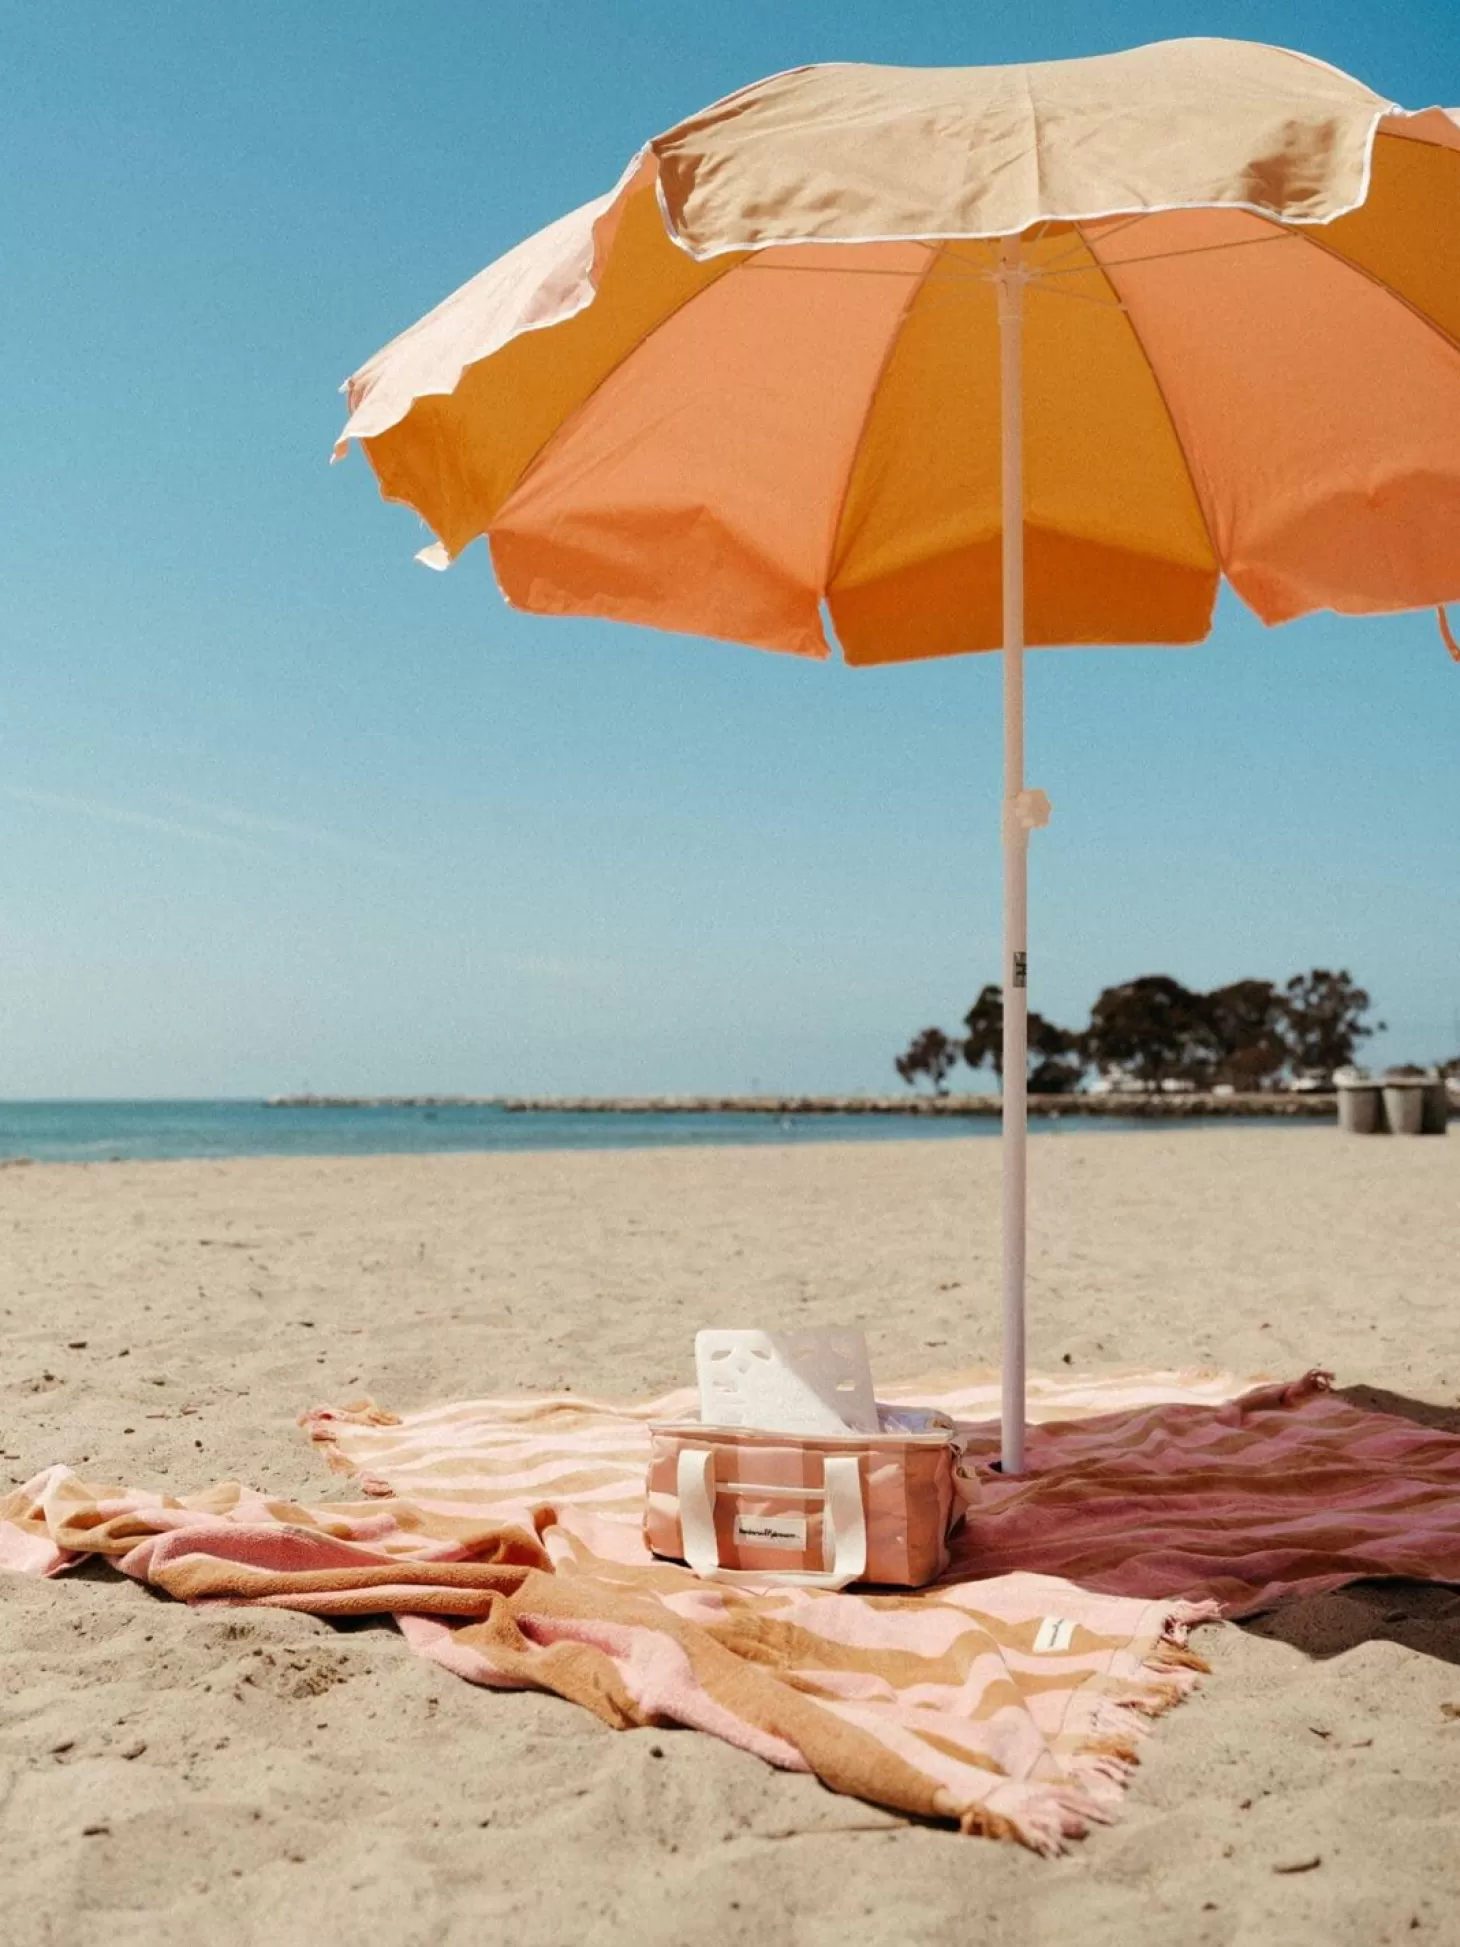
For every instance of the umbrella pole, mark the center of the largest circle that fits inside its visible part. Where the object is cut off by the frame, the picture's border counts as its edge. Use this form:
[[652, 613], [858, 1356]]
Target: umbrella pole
[[1010, 284]]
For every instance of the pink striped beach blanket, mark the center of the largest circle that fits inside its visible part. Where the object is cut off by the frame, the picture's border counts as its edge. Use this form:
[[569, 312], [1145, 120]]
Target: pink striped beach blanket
[[505, 1536]]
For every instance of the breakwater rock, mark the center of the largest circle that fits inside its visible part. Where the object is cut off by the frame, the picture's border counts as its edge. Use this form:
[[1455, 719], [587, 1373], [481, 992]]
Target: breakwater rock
[[1164, 1108], [1310, 1106]]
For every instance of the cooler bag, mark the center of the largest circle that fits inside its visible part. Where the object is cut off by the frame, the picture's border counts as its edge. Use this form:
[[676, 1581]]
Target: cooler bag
[[817, 1510]]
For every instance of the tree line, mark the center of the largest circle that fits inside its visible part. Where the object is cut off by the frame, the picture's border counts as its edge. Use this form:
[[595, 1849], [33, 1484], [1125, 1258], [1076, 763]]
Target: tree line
[[1250, 1034]]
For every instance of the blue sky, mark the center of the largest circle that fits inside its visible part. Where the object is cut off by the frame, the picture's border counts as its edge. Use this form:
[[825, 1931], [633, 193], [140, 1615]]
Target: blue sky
[[278, 807]]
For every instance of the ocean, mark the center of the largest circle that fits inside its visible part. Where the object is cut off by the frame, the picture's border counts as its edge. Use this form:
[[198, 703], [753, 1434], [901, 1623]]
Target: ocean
[[98, 1132]]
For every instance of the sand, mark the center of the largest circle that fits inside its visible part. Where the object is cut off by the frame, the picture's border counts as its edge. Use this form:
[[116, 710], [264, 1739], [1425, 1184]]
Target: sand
[[169, 1776]]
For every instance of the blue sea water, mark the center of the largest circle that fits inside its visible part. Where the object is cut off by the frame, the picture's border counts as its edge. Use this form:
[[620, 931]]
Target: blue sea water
[[95, 1132]]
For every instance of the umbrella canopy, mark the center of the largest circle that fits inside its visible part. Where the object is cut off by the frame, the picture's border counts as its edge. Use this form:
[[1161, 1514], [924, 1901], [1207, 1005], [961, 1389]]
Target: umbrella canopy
[[960, 359], [762, 375]]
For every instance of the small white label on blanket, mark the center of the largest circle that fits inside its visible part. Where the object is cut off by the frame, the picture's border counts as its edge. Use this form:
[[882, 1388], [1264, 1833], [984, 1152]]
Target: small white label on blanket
[[1055, 1633], [771, 1530]]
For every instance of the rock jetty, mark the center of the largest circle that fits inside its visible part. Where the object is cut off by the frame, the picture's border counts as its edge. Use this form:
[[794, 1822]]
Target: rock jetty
[[1162, 1107]]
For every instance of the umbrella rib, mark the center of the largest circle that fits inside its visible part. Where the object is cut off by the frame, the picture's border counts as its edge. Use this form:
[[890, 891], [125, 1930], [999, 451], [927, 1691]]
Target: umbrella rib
[[1079, 243], [952, 273], [1036, 283], [1382, 284], [1125, 223], [893, 338], [1150, 366], [1061, 262], [599, 383], [1281, 234], [759, 261]]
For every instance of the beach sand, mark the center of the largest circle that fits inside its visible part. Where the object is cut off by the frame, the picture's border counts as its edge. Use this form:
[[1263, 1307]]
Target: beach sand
[[262, 1777]]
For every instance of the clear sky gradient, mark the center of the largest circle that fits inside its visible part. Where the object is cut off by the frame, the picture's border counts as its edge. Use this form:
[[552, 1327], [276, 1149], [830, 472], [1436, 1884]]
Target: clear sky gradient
[[278, 807]]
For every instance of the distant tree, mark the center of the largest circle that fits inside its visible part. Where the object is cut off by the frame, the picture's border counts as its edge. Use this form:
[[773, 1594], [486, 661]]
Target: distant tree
[[1056, 1056], [1057, 1060], [1323, 1021], [930, 1053], [983, 1042], [1152, 1029], [1244, 1029], [1155, 1030]]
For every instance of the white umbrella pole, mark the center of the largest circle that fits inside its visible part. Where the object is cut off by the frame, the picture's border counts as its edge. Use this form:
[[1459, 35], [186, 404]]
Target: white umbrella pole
[[1010, 283]]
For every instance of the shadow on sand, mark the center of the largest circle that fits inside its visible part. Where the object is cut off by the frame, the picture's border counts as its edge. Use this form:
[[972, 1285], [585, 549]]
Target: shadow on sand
[[1423, 1412], [1419, 1615]]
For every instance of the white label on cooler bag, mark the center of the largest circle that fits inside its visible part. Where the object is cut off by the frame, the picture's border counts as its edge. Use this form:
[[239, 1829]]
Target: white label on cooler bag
[[770, 1531]]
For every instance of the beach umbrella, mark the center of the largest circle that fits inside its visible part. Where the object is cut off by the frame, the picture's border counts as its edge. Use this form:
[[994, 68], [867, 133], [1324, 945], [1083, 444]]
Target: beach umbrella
[[930, 361]]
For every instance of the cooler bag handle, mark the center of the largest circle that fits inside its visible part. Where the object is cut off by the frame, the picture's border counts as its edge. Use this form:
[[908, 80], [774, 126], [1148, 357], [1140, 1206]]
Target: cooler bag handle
[[844, 1524]]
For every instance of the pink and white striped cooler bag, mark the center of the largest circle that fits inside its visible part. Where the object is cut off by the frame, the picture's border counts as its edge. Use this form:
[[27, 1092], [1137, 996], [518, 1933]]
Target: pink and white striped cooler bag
[[817, 1510]]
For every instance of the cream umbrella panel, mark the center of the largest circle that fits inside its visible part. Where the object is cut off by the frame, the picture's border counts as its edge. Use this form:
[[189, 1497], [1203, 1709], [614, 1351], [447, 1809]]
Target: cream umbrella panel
[[966, 359]]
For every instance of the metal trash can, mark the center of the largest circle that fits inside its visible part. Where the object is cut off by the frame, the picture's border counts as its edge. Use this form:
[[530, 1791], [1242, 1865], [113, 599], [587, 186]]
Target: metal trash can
[[1437, 1106], [1404, 1104], [1360, 1102]]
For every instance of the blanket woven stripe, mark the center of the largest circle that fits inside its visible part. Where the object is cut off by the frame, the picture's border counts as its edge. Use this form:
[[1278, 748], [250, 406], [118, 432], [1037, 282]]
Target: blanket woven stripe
[[506, 1538]]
